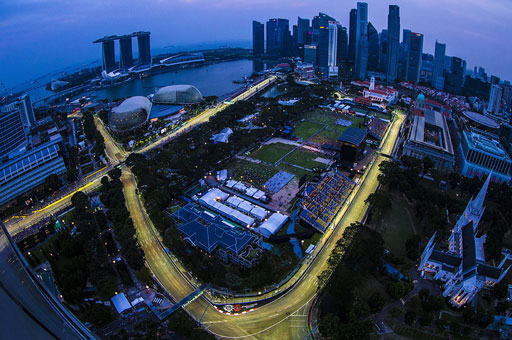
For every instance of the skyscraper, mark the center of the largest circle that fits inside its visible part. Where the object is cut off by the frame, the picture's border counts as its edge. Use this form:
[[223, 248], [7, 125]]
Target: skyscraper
[[333, 48], [12, 130], [310, 54], [495, 99], [284, 40], [414, 57], [321, 35], [404, 54], [352, 35], [393, 43], [342, 45], [361, 62], [437, 75], [144, 47], [455, 77], [272, 45], [302, 30], [373, 48], [126, 59], [383, 50], [258, 39]]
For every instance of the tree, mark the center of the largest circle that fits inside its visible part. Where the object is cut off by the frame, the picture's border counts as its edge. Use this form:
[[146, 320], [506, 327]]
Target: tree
[[500, 290], [428, 164], [380, 201], [395, 312], [454, 328], [426, 319], [410, 318], [376, 301], [52, 183], [412, 247], [99, 315]]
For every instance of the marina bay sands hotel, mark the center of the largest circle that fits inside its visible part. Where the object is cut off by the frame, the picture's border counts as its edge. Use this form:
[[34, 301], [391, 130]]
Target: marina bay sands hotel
[[125, 43]]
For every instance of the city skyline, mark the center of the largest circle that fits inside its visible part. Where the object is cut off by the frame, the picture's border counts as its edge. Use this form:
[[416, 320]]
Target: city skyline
[[32, 53]]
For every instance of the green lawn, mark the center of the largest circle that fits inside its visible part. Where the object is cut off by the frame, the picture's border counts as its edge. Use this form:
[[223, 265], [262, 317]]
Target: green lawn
[[326, 137], [328, 118], [305, 130], [271, 153], [249, 171], [396, 228], [298, 172], [305, 159]]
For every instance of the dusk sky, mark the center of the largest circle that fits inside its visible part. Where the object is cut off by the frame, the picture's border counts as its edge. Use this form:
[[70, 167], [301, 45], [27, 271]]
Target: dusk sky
[[40, 36]]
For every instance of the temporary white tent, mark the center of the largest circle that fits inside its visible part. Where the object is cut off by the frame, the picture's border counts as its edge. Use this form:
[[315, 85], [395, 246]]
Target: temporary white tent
[[120, 302], [272, 225]]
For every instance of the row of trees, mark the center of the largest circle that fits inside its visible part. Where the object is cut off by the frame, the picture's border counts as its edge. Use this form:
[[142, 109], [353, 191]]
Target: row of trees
[[80, 258], [113, 198], [92, 134], [343, 312]]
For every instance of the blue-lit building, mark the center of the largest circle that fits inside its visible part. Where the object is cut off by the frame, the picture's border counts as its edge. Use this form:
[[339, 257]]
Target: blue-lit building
[[480, 152], [12, 132], [414, 57], [30, 169], [258, 38]]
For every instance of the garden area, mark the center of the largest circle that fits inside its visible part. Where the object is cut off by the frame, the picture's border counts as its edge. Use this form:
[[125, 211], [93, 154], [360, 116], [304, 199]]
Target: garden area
[[326, 136], [305, 129], [271, 153], [396, 226], [329, 118], [256, 173], [305, 158]]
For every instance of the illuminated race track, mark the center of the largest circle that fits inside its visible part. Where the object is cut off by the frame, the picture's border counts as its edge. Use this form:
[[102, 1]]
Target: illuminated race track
[[283, 318], [286, 316]]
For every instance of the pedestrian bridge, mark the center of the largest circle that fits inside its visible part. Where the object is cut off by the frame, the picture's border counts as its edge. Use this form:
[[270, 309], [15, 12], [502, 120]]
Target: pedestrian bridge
[[184, 302]]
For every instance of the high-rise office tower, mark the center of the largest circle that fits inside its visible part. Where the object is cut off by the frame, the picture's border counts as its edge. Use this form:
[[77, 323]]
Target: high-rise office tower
[[272, 44], [144, 47], [284, 40], [333, 49], [361, 62], [26, 110], [302, 30], [414, 58], [295, 41], [12, 130], [393, 43], [404, 54], [352, 35], [373, 48], [310, 54], [455, 77], [437, 73], [126, 59], [321, 35], [342, 54], [383, 50], [495, 99], [258, 38]]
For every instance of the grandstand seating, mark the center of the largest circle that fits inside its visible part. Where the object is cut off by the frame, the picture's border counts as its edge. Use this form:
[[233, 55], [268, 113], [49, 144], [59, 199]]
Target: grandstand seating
[[377, 128], [322, 204]]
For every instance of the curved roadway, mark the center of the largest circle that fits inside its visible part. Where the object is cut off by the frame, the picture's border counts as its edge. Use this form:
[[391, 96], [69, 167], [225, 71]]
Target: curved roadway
[[284, 318]]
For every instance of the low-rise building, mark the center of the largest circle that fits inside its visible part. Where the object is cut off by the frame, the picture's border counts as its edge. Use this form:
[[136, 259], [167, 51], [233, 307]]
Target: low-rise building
[[480, 153], [429, 136], [378, 93]]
